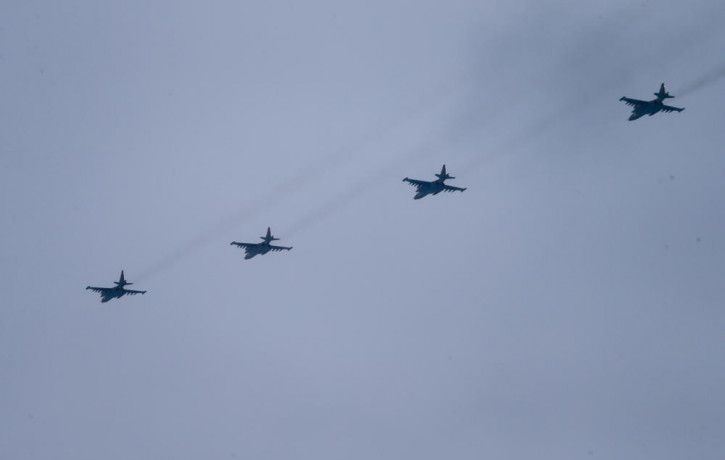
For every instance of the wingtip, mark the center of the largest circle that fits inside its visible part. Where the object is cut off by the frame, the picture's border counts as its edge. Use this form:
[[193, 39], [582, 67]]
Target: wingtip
[[622, 98], [88, 287]]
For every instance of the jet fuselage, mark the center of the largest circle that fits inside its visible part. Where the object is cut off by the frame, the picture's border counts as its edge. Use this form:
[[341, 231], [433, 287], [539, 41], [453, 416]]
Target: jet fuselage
[[114, 293], [650, 108], [431, 188], [258, 250]]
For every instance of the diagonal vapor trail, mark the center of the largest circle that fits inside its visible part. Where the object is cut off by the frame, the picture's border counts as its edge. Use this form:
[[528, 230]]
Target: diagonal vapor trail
[[709, 78], [458, 130], [332, 161], [356, 191], [363, 186], [312, 172]]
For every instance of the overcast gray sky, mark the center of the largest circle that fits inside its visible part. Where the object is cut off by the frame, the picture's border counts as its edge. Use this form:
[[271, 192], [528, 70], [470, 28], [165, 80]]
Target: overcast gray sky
[[568, 305]]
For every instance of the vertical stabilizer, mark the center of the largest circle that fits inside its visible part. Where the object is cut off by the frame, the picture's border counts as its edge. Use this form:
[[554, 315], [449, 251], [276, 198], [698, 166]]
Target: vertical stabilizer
[[121, 281], [662, 93], [444, 175], [268, 237]]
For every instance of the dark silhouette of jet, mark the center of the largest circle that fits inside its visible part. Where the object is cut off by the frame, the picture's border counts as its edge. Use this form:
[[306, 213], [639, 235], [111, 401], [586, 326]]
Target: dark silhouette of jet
[[115, 292], [252, 249], [433, 187], [642, 108]]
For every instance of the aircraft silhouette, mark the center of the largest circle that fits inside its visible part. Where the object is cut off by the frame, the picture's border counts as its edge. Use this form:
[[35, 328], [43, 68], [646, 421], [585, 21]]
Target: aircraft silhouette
[[642, 108], [115, 292], [253, 249], [433, 187]]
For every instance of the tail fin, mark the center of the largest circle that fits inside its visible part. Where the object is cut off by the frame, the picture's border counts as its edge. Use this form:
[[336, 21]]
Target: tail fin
[[268, 237], [444, 175], [122, 281], [662, 94]]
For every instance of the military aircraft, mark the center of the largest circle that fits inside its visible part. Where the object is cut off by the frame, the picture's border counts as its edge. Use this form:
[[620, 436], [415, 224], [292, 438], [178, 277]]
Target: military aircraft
[[115, 292], [433, 187], [642, 108], [252, 249]]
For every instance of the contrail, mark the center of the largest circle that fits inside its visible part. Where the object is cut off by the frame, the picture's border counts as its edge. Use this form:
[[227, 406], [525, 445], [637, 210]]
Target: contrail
[[332, 161], [389, 169], [341, 200], [312, 172], [704, 81], [332, 206], [458, 128], [454, 130]]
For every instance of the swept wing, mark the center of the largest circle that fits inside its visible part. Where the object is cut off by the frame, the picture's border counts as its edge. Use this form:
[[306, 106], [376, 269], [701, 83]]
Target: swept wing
[[249, 248], [132, 292], [450, 188], [667, 108], [279, 248], [421, 186], [100, 290], [246, 246], [416, 182], [633, 102]]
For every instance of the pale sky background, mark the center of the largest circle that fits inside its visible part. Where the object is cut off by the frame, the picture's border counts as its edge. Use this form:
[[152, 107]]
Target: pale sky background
[[569, 305]]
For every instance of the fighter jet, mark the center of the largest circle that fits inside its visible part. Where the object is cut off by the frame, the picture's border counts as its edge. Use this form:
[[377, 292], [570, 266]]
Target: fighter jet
[[252, 249], [642, 108], [434, 187], [115, 292]]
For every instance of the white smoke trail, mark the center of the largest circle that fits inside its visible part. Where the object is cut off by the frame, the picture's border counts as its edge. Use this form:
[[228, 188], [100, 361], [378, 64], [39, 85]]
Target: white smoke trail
[[312, 172], [704, 81]]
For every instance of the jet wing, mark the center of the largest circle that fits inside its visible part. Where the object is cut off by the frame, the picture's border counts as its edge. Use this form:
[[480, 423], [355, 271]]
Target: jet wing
[[667, 108], [249, 248], [416, 183], [279, 248], [633, 102], [450, 188], [132, 292], [100, 290]]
